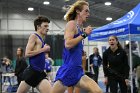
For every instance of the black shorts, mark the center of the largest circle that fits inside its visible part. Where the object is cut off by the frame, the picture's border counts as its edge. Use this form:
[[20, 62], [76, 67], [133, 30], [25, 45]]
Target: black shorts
[[33, 77]]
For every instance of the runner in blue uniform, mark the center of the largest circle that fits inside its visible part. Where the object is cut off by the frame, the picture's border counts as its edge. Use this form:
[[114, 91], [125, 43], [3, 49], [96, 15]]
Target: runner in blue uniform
[[71, 72], [34, 75]]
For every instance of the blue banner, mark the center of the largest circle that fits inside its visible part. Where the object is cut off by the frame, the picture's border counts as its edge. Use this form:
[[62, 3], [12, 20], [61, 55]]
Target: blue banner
[[124, 27]]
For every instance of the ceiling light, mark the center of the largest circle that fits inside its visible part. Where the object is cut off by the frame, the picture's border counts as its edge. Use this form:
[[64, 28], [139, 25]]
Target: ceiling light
[[109, 18], [30, 9], [46, 2], [107, 3], [67, 0]]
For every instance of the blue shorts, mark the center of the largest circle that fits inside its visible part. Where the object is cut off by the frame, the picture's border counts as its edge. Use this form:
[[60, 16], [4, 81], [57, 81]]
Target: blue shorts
[[69, 76]]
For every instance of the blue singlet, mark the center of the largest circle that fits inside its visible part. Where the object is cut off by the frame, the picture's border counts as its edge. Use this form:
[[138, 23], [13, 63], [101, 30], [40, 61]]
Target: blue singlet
[[37, 62], [71, 71]]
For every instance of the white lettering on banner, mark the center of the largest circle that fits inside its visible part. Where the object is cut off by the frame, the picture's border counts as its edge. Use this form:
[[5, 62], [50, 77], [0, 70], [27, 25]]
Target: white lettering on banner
[[112, 32], [109, 32], [121, 30], [103, 33]]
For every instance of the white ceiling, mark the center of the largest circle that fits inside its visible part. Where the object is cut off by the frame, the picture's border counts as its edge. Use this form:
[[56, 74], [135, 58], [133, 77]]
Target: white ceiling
[[99, 11]]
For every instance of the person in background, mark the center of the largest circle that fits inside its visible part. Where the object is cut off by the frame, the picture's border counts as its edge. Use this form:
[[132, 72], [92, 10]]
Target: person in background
[[21, 64], [115, 66], [48, 66], [84, 60], [6, 68], [135, 67], [138, 76], [34, 75], [71, 73], [95, 62]]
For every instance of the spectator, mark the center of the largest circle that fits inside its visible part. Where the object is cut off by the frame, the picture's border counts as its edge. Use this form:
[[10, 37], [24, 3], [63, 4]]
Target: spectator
[[135, 67], [21, 64], [95, 62], [48, 66], [115, 66], [6, 68]]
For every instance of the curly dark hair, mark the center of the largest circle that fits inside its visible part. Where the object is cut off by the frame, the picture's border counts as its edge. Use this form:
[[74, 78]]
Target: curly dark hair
[[39, 20]]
